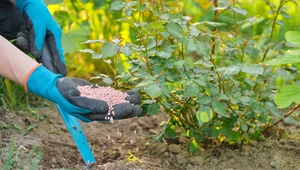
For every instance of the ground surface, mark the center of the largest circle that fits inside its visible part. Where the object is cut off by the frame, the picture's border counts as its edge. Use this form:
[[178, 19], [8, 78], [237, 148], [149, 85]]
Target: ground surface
[[126, 145]]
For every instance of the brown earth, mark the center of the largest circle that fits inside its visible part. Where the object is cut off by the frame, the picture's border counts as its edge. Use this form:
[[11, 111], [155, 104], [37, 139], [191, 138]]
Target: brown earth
[[127, 144]]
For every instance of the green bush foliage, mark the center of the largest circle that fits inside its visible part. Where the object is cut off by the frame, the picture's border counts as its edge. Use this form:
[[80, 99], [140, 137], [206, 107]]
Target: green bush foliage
[[212, 82]]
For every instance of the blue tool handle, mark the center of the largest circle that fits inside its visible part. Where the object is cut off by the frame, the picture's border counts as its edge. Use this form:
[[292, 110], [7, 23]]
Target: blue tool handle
[[78, 136]]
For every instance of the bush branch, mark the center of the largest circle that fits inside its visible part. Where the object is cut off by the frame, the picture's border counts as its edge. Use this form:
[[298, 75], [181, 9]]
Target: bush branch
[[284, 116]]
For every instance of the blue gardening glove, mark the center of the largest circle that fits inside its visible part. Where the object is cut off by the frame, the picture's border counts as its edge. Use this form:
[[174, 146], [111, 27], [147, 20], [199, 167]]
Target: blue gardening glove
[[63, 91], [41, 27]]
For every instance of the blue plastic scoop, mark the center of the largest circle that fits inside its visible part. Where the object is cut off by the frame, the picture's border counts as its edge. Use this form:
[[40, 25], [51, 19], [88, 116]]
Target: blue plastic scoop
[[78, 136]]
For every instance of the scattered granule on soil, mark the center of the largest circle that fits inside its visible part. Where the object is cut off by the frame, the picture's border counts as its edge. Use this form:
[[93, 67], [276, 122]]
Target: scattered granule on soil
[[108, 94]]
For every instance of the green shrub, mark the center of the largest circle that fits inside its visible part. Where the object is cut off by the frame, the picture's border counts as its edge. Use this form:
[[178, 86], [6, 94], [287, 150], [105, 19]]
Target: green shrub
[[212, 83]]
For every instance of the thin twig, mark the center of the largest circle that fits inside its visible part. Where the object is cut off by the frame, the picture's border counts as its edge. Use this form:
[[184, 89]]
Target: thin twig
[[284, 116]]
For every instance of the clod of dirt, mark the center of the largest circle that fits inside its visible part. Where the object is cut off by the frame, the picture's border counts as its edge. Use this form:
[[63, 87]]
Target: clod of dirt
[[175, 148], [159, 148], [197, 160], [181, 160], [277, 162], [110, 95]]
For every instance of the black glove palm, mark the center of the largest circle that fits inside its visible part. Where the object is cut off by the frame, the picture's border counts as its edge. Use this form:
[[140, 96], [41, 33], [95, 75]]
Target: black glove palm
[[68, 88]]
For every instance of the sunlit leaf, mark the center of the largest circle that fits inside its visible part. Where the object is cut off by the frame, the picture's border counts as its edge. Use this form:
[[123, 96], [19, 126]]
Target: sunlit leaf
[[293, 37], [204, 114], [205, 4], [109, 50], [193, 146], [288, 95]]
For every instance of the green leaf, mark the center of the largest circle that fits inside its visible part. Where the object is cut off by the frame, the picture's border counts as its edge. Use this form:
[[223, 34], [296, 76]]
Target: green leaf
[[293, 37], [219, 108], [204, 100], [108, 81], [285, 15], [10, 155], [256, 107], [127, 51], [93, 41], [109, 50], [158, 137], [174, 30], [170, 132], [164, 54], [117, 6], [208, 64], [287, 95], [204, 114], [214, 24], [153, 109], [232, 70], [94, 54], [71, 38], [201, 82], [239, 10], [253, 69], [131, 4], [149, 101], [190, 44], [153, 90], [192, 90], [272, 107], [244, 127], [193, 146], [245, 99], [290, 57]]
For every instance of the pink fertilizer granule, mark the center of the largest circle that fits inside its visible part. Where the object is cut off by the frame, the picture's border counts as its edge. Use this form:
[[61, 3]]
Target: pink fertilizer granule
[[108, 94]]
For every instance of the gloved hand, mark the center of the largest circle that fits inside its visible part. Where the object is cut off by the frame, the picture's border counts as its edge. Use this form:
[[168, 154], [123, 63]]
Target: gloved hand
[[63, 91], [40, 28]]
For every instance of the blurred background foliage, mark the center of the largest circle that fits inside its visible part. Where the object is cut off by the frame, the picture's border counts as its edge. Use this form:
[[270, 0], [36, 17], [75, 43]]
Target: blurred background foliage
[[83, 20]]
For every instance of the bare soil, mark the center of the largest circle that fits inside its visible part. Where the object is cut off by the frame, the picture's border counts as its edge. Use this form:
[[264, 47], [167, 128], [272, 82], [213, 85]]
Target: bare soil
[[126, 145]]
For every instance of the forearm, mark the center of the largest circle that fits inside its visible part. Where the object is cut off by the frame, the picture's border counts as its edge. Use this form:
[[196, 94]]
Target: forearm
[[14, 64]]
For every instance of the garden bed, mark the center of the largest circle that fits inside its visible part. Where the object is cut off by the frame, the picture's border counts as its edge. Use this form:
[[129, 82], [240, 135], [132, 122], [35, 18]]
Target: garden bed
[[127, 144]]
